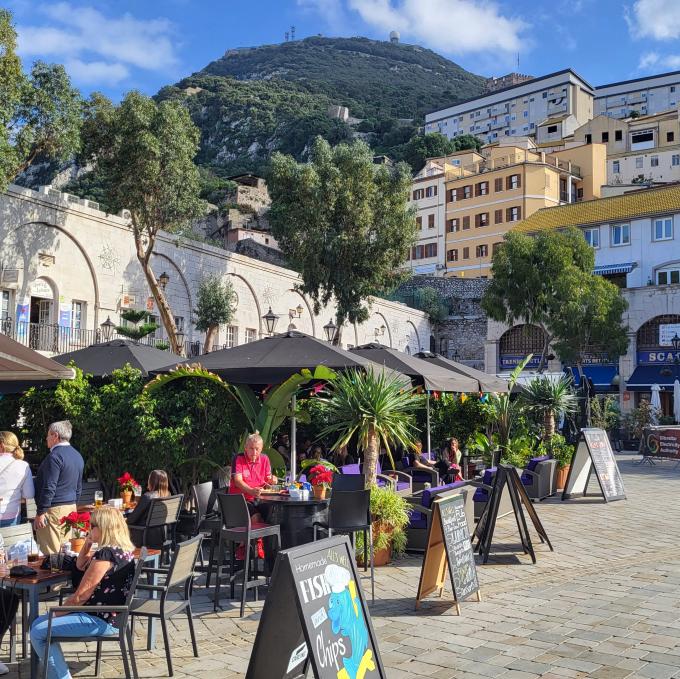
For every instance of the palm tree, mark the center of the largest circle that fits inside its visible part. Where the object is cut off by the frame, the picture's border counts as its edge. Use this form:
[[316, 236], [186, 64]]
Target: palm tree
[[377, 408], [550, 398]]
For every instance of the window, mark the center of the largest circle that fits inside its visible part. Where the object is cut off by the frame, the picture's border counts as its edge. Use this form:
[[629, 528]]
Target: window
[[514, 181], [663, 229], [672, 88], [616, 167], [526, 114], [498, 216], [251, 335], [545, 95], [452, 225], [654, 161], [77, 315], [592, 237], [605, 137], [670, 136], [419, 222], [481, 188], [638, 162], [589, 139], [482, 219], [670, 277], [430, 221], [452, 255], [620, 234], [4, 305], [513, 214], [552, 129], [618, 135], [451, 195], [642, 140], [152, 319], [179, 323], [498, 184], [418, 252], [430, 191], [482, 251], [431, 250], [675, 159], [231, 339], [466, 223], [466, 253], [418, 194], [467, 191]]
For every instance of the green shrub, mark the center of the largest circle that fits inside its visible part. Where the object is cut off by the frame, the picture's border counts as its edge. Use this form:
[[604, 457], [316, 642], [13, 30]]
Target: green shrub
[[392, 510]]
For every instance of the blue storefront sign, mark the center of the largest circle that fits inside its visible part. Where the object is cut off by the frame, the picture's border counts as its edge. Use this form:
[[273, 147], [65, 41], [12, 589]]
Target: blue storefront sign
[[657, 356], [510, 361]]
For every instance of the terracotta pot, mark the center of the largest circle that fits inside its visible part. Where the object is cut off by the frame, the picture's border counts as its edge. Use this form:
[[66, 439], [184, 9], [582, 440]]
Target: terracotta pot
[[77, 544], [319, 492], [561, 477], [126, 496], [381, 557]]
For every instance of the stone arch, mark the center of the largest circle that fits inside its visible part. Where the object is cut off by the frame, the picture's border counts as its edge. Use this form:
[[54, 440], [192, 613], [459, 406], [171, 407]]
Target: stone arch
[[518, 342], [171, 262], [387, 326], [414, 334], [647, 335], [260, 313], [54, 291], [310, 310]]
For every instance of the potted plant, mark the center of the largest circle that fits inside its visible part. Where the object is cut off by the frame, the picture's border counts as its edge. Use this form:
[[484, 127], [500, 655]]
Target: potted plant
[[126, 483], [561, 452], [76, 525], [321, 479], [390, 516], [548, 398]]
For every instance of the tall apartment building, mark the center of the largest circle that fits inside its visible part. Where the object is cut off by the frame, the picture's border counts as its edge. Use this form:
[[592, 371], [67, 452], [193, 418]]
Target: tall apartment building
[[646, 96], [518, 110], [490, 192]]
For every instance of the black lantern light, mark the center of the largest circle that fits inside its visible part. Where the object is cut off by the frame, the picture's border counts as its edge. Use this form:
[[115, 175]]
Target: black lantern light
[[163, 280], [270, 319], [107, 327], [330, 329]]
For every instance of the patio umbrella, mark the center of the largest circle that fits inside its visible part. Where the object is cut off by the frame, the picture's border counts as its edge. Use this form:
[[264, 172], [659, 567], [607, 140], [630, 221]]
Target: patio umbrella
[[485, 381], [656, 403], [100, 360], [676, 401], [430, 376], [273, 360]]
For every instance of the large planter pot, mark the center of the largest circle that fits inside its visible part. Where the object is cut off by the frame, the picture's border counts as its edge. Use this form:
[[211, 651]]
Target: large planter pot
[[77, 544], [319, 492], [381, 557], [126, 496], [561, 477]]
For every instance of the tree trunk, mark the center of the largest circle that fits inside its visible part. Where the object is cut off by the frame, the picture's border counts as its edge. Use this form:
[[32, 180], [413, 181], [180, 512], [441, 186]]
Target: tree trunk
[[337, 340], [548, 425], [371, 457], [210, 339]]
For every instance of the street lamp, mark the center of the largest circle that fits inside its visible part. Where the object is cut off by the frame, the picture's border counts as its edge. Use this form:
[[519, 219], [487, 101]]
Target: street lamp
[[270, 320], [163, 280], [379, 332], [107, 329], [456, 355], [330, 329]]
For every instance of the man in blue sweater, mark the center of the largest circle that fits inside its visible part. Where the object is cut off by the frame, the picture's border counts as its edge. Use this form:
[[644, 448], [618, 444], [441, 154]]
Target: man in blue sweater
[[57, 486]]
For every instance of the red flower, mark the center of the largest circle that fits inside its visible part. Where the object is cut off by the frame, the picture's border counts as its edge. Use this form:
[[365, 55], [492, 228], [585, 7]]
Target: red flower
[[126, 482], [320, 475]]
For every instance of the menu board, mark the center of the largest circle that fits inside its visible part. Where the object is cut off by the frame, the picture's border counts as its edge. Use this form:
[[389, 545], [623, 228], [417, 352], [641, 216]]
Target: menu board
[[661, 442], [594, 454], [448, 545], [315, 613]]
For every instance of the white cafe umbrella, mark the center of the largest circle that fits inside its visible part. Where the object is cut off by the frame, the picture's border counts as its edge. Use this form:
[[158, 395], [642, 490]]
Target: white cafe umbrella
[[656, 403], [676, 401]]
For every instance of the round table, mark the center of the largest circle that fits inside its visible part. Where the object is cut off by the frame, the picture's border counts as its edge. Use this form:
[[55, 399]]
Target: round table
[[295, 517]]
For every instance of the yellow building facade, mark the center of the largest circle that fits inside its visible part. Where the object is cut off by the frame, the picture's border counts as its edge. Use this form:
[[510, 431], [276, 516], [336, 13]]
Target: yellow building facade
[[490, 192]]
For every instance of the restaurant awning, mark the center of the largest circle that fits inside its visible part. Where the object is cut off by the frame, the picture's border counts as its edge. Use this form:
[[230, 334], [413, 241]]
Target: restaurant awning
[[608, 269], [485, 381], [601, 375], [645, 375], [18, 363]]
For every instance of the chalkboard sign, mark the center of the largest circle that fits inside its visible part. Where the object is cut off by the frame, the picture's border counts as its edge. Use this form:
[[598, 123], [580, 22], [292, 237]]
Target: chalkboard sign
[[594, 453], [315, 614], [448, 544]]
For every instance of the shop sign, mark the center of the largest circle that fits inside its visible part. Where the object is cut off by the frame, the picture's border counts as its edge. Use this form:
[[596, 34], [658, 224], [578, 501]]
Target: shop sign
[[657, 356], [510, 361], [667, 332]]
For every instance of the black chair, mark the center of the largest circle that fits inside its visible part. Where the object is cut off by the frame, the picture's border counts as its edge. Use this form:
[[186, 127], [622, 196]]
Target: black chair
[[207, 520], [179, 577], [88, 490], [349, 512], [344, 482], [124, 636], [237, 528], [162, 517]]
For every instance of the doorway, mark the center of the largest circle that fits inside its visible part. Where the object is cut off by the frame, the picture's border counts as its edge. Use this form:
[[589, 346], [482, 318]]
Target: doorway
[[42, 335]]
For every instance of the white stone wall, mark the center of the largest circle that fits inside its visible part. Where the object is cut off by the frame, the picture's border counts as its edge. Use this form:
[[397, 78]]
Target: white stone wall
[[89, 256]]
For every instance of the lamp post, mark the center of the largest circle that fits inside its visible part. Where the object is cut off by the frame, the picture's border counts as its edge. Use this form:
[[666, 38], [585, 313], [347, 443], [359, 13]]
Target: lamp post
[[330, 329], [270, 320], [163, 281], [107, 328], [379, 332]]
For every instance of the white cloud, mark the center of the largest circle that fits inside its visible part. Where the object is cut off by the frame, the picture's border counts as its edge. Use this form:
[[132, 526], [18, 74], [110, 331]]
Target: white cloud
[[653, 61], [656, 19], [452, 26], [96, 47]]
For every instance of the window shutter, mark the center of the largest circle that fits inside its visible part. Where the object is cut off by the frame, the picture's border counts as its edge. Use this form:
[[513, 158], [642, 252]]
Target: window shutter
[[466, 222], [498, 184], [498, 216]]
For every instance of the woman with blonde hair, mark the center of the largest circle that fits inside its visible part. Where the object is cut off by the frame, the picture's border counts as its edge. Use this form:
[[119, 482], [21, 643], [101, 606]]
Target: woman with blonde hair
[[106, 580], [16, 481]]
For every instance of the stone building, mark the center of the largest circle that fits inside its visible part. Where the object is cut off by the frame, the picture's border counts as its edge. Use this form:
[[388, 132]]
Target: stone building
[[66, 267]]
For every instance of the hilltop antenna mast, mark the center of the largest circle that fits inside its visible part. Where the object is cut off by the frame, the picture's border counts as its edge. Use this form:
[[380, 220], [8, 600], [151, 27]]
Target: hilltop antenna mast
[[286, 34], [292, 32], [517, 62]]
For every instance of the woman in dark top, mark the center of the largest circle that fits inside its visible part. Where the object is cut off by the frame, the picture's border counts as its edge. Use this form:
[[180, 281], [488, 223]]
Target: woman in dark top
[[108, 574], [158, 486]]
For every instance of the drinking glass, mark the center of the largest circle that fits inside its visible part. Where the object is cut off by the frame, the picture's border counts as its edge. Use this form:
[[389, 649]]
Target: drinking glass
[[56, 561], [98, 498]]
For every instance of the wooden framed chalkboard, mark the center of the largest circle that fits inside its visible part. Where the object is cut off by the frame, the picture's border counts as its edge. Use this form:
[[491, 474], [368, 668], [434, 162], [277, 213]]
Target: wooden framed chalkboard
[[316, 614], [448, 544], [594, 454]]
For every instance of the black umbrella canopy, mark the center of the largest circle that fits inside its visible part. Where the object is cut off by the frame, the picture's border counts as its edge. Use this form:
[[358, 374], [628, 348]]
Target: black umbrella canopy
[[431, 377], [102, 359], [273, 360], [485, 381]]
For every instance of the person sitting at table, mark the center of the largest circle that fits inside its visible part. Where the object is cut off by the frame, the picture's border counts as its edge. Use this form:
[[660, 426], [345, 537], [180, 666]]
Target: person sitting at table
[[250, 473], [108, 574], [420, 459], [157, 486], [16, 481], [341, 456], [448, 466]]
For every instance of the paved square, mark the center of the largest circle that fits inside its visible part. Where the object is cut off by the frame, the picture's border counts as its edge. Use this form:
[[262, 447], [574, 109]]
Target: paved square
[[605, 604]]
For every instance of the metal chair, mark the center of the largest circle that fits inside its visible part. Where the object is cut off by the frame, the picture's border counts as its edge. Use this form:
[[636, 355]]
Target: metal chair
[[162, 516], [349, 512], [124, 636], [88, 490], [344, 482], [207, 520], [237, 528], [179, 577]]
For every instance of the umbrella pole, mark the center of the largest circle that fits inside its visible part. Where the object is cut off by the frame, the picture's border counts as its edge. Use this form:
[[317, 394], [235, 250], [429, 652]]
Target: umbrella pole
[[293, 442], [427, 407]]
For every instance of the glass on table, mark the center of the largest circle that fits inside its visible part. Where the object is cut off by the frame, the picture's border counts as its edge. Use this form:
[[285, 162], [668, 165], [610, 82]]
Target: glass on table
[[98, 498], [56, 562]]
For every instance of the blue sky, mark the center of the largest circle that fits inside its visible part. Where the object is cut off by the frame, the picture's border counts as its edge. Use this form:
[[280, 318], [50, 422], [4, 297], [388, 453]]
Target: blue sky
[[114, 46]]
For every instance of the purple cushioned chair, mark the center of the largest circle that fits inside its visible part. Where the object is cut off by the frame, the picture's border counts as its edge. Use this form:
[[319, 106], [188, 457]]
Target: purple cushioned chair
[[539, 477]]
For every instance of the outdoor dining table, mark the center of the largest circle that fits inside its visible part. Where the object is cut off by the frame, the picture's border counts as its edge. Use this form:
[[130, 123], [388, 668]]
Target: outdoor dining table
[[33, 584], [295, 517]]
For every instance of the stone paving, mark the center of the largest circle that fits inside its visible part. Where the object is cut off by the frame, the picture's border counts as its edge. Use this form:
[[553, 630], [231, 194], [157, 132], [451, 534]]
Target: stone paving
[[605, 604]]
